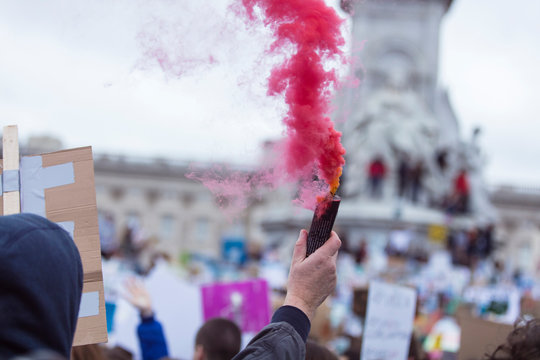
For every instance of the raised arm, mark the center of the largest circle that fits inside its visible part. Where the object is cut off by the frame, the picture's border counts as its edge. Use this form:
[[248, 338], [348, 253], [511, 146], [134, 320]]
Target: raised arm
[[310, 282]]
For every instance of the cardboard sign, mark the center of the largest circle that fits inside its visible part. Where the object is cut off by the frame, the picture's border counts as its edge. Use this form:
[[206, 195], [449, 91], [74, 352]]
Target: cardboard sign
[[480, 337], [60, 186], [246, 303], [360, 299], [389, 322]]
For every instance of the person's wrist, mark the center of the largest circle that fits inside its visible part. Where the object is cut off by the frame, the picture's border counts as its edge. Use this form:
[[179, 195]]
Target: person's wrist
[[146, 313], [297, 302]]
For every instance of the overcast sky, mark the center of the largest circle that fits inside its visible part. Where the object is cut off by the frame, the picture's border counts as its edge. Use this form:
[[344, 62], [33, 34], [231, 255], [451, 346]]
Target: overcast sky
[[78, 70]]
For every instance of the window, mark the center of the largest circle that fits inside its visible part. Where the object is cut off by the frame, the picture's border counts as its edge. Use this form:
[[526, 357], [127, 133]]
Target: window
[[152, 196], [166, 227], [117, 193], [134, 191], [168, 194], [202, 229]]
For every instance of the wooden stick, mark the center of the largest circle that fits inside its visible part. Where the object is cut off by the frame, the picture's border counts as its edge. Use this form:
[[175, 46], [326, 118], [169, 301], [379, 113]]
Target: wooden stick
[[12, 202]]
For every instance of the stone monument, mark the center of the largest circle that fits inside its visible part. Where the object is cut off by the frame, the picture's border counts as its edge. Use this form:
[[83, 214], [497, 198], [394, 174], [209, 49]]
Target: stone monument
[[400, 115]]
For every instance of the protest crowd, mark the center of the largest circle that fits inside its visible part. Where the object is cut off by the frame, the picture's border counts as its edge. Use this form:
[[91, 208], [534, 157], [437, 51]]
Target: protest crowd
[[410, 272], [97, 293], [321, 313]]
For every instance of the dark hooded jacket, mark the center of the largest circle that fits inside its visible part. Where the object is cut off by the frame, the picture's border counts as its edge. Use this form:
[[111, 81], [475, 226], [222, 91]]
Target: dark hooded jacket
[[41, 279], [284, 338]]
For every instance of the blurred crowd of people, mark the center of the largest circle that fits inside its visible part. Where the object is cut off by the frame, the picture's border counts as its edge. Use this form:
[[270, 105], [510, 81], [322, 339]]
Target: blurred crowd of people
[[319, 314], [468, 252], [469, 247], [42, 290]]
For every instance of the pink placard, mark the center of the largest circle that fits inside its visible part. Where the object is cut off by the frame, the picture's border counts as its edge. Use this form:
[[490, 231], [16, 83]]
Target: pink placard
[[246, 303]]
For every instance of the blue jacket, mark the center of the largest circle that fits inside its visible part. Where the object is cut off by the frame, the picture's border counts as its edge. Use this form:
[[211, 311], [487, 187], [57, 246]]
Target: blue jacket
[[152, 339]]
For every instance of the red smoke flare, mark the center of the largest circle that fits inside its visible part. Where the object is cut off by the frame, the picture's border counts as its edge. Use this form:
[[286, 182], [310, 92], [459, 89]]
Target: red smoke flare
[[312, 30]]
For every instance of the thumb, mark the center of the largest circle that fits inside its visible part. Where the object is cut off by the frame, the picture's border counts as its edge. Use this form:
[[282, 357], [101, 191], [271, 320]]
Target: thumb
[[300, 247], [331, 246]]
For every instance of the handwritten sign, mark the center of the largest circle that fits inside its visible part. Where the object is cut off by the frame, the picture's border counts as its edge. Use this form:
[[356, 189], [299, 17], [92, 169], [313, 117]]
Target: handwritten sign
[[389, 322]]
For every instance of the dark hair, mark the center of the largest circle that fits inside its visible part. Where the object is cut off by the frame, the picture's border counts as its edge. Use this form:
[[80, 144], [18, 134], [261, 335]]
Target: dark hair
[[93, 352], [117, 353], [315, 351], [523, 343], [220, 338]]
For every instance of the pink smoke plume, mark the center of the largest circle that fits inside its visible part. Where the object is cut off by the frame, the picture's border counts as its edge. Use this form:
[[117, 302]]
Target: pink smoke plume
[[311, 31], [307, 37]]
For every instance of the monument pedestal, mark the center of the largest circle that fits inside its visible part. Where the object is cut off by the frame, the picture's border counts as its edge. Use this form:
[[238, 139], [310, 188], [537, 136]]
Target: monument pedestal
[[411, 227]]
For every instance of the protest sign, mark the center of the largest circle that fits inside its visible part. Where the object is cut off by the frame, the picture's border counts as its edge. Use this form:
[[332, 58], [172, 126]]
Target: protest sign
[[480, 337], [176, 304], [360, 299], [234, 250], [501, 301], [246, 303], [389, 322], [400, 241], [60, 186]]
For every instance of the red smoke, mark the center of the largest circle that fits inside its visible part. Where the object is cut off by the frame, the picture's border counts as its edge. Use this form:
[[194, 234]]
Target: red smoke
[[308, 32]]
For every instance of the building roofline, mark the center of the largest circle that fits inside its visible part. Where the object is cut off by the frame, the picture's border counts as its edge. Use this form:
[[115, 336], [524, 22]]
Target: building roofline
[[348, 5]]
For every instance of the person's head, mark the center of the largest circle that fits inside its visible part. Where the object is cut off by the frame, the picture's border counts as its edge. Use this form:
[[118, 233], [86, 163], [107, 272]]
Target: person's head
[[118, 353], [521, 344], [217, 339], [41, 279], [315, 351], [88, 352]]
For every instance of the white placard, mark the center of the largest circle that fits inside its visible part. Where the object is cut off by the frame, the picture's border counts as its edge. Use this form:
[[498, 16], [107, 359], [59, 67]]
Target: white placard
[[177, 306], [389, 322]]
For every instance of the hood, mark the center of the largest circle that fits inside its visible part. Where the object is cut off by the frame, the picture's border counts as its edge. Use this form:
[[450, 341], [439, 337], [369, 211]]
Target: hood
[[41, 280]]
